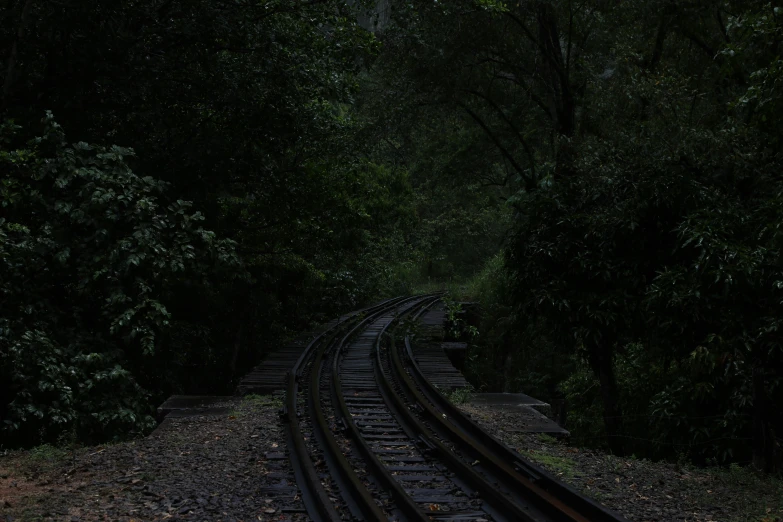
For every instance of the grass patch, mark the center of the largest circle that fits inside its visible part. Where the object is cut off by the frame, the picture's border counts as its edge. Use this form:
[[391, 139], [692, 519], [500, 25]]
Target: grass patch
[[543, 438], [44, 458], [754, 497], [560, 465], [254, 402], [47, 453], [262, 401], [38, 460]]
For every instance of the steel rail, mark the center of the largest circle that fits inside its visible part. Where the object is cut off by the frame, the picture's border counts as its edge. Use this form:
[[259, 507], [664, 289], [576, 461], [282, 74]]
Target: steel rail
[[512, 487], [314, 496], [519, 474], [503, 504], [359, 498], [405, 503]]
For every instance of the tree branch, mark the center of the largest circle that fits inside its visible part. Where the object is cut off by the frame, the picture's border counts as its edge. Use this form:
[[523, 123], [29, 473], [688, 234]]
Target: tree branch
[[510, 123], [660, 37], [690, 35], [528, 182]]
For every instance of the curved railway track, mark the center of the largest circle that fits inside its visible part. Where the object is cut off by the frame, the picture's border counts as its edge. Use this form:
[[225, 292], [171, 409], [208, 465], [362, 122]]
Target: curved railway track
[[370, 438]]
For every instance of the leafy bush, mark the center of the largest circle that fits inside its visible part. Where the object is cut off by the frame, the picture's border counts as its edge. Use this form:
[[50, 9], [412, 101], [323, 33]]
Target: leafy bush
[[90, 255]]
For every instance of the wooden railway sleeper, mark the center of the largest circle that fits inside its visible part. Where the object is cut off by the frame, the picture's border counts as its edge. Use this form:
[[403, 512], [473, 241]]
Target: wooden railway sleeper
[[359, 498], [404, 502], [314, 496]]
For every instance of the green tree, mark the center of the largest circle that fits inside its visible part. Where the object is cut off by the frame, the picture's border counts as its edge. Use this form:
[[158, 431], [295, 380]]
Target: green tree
[[91, 258], [645, 157]]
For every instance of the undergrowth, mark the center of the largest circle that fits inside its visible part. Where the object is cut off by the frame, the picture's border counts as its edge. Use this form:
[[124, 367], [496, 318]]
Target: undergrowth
[[460, 395], [254, 402]]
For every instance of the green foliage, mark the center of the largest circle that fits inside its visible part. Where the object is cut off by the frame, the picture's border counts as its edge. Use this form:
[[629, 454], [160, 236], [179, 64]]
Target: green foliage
[[91, 254], [258, 401], [642, 161], [47, 453], [245, 110], [461, 395], [503, 357], [457, 327], [489, 285], [663, 257], [581, 390]]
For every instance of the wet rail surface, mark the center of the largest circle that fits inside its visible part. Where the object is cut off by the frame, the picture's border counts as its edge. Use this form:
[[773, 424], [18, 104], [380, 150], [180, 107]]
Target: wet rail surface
[[371, 439]]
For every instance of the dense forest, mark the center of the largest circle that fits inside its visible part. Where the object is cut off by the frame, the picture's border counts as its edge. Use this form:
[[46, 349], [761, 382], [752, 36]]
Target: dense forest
[[185, 185]]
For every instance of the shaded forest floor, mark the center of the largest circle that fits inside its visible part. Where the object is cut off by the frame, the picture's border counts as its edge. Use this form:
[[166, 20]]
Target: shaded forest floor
[[198, 468], [641, 490]]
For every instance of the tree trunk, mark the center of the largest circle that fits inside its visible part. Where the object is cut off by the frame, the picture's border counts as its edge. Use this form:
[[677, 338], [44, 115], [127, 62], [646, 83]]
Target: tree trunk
[[601, 363], [245, 308], [764, 443], [237, 347], [563, 102]]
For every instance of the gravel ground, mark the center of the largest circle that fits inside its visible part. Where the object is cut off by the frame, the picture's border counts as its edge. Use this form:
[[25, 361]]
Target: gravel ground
[[640, 490], [229, 467], [233, 467]]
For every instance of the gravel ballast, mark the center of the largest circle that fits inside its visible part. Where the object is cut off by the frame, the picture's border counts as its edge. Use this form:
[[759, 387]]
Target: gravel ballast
[[641, 490], [230, 467]]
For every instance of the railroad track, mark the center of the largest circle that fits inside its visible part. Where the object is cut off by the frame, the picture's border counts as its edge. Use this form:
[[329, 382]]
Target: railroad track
[[370, 438]]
